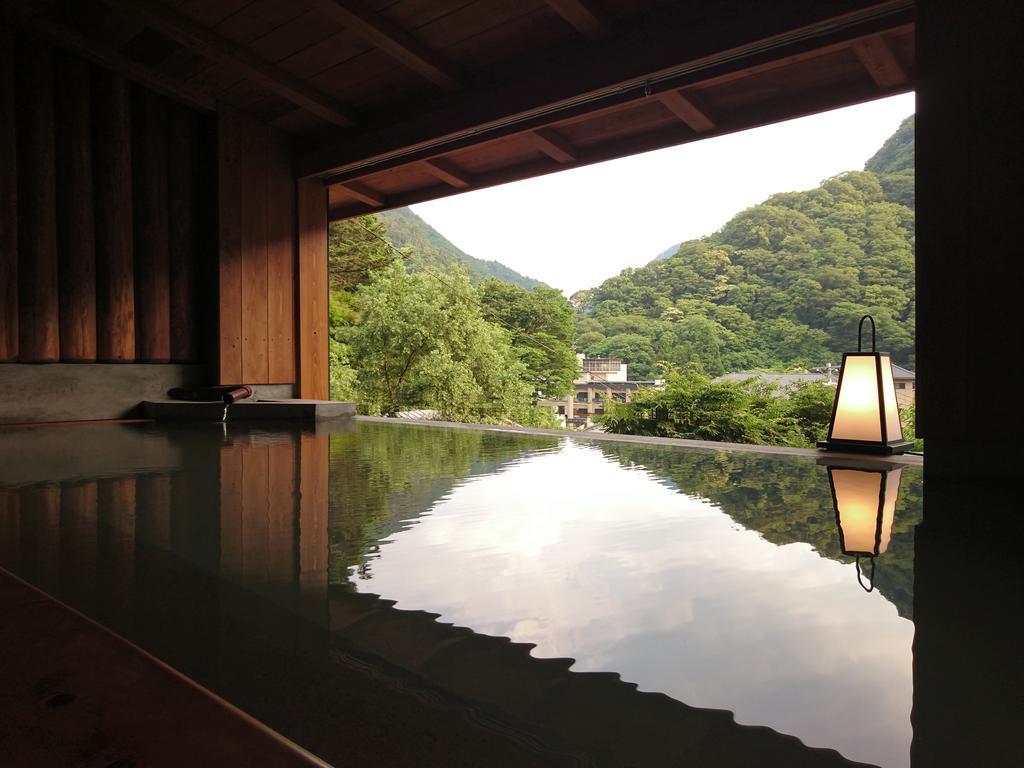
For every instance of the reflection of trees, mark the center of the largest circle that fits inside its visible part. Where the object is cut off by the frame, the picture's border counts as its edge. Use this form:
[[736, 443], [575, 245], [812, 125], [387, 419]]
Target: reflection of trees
[[786, 501], [382, 477]]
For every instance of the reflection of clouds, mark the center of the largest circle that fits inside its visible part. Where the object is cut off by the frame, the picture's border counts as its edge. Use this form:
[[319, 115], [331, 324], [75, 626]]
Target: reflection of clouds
[[586, 559]]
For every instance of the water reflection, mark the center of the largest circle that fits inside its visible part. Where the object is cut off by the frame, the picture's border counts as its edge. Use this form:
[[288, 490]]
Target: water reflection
[[715, 578], [584, 553]]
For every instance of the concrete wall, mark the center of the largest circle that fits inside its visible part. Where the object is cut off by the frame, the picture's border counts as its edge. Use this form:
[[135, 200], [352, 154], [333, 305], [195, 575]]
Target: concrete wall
[[76, 391]]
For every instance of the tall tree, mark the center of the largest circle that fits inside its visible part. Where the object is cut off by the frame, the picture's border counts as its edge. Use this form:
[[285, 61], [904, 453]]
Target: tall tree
[[541, 323]]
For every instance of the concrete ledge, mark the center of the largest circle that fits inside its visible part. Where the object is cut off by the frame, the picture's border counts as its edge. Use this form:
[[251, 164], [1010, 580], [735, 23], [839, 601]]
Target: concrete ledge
[[249, 410], [48, 392], [669, 442]]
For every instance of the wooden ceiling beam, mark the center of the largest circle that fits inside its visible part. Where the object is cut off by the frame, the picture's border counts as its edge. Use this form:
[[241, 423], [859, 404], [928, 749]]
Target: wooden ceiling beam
[[73, 41], [448, 172], [188, 33], [880, 62], [552, 144], [675, 134], [391, 39], [363, 194], [584, 17], [671, 50], [688, 109]]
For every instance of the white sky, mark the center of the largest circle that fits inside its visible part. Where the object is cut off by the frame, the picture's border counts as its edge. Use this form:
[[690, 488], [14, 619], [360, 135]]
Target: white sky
[[576, 228]]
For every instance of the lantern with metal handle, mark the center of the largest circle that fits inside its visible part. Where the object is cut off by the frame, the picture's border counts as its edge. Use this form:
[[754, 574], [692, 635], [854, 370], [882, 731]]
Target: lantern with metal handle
[[865, 504], [865, 417]]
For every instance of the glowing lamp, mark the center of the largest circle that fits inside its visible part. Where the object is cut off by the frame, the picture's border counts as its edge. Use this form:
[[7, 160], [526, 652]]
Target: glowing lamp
[[865, 506], [865, 417]]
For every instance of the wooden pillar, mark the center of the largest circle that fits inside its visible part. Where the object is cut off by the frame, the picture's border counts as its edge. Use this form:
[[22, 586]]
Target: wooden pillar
[[8, 204], [969, 197], [312, 287], [184, 240], [76, 245], [281, 263], [255, 137], [149, 180], [38, 322], [229, 263], [112, 176]]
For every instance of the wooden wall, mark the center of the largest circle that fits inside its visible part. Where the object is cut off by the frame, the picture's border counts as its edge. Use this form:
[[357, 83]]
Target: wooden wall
[[257, 290], [104, 232]]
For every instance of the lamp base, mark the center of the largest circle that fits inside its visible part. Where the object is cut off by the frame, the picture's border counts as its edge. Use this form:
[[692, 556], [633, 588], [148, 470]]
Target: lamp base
[[877, 449]]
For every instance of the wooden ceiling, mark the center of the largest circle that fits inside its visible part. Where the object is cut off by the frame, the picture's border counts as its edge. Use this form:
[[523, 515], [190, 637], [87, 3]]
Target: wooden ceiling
[[394, 102]]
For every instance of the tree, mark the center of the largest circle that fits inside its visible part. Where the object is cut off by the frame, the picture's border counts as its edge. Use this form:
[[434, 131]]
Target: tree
[[541, 323], [423, 342], [693, 406], [355, 249]]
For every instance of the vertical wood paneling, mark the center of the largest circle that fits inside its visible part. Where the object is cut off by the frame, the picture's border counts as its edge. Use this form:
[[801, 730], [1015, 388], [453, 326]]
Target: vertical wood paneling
[[149, 179], [8, 203], [313, 476], [312, 335], [255, 137], [38, 323], [281, 493], [255, 513], [112, 176], [76, 247], [184, 245], [280, 263], [231, 550], [229, 182]]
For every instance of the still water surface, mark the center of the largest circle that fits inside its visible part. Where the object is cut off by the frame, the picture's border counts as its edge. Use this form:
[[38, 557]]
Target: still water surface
[[615, 556], [712, 577]]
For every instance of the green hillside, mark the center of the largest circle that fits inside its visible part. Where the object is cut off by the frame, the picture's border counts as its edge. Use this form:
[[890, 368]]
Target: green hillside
[[782, 285], [405, 228]]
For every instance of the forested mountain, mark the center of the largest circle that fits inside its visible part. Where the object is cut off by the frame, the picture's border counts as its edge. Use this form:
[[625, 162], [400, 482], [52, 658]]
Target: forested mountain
[[668, 253], [894, 165], [405, 228], [782, 285]]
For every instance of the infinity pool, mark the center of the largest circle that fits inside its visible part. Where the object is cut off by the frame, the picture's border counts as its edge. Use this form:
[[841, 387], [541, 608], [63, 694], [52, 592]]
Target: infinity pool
[[714, 578]]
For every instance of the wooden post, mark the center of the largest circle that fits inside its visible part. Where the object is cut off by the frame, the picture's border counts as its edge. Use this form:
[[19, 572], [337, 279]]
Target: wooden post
[[281, 263], [38, 322], [112, 177], [76, 246], [254, 252], [8, 203], [229, 262], [149, 179], [184, 242], [312, 339]]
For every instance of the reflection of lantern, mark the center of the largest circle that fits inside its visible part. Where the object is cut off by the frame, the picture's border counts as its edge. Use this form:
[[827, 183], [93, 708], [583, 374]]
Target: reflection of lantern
[[865, 505], [865, 417]]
